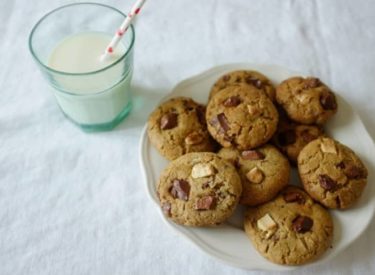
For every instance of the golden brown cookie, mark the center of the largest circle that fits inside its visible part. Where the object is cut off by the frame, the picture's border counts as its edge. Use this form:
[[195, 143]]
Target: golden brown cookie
[[199, 189], [248, 77], [241, 116], [331, 173], [263, 171], [178, 126], [290, 230], [306, 100], [291, 137]]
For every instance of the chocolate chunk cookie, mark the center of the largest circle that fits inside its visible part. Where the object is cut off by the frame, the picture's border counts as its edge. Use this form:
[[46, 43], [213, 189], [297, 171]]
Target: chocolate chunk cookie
[[291, 137], [291, 229], [241, 116], [178, 126], [199, 189], [264, 172], [331, 173], [252, 78], [306, 100]]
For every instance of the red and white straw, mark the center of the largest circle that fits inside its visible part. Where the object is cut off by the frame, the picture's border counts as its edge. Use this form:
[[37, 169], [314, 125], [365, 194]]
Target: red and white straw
[[136, 8]]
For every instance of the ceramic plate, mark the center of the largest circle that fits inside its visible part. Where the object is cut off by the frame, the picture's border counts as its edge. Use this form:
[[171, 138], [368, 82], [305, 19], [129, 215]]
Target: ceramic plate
[[229, 242]]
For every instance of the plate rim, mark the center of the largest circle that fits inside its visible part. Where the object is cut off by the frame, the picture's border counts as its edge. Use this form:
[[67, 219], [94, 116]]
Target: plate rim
[[148, 176]]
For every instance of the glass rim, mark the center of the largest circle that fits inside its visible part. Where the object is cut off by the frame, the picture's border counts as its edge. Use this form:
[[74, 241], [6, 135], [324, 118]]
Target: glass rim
[[128, 50]]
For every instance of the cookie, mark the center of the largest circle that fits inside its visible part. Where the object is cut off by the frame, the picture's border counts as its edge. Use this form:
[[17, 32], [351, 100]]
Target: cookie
[[291, 137], [290, 230], [178, 127], [306, 100], [241, 116], [199, 189], [252, 78], [263, 171], [332, 173]]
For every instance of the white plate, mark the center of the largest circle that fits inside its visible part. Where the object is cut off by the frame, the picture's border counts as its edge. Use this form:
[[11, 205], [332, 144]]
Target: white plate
[[229, 242]]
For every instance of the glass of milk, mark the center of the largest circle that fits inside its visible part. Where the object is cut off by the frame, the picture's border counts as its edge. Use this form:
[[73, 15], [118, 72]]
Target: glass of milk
[[67, 44]]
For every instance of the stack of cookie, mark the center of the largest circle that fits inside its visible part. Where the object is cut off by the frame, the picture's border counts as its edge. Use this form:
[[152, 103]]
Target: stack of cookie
[[240, 149]]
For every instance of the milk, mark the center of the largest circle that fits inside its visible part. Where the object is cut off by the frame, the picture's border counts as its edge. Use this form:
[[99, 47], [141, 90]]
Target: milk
[[86, 96]]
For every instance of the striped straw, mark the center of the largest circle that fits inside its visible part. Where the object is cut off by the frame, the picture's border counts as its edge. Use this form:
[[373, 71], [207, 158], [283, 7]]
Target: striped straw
[[123, 28]]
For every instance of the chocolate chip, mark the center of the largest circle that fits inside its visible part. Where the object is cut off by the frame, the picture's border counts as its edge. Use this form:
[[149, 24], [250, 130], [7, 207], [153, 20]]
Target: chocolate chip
[[286, 137], [340, 165], [302, 224], [311, 82], [327, 183], [307, 136], [254, 81], [294, 197], [354, 172], [205, 203], [223, 122], [201, 114], [226, 77], [328, 101], [166, 207], [252, 155], [232, 101], [168, 121], [180, 189]]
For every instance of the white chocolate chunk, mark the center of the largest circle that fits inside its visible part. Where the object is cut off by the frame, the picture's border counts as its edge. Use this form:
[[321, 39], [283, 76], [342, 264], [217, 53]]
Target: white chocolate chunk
[[193, 138], [202, 170], [328, 146], [266, 223], [255, 175]]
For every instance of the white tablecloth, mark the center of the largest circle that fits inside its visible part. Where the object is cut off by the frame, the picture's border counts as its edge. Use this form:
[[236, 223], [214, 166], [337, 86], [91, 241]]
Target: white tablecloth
[[75, 203]]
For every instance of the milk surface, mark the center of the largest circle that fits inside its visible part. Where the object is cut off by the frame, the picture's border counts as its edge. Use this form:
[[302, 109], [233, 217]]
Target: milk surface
[[90, 97], [81, 53]]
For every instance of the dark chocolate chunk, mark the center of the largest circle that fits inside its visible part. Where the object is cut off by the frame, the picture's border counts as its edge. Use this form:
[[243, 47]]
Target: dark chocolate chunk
[[205, 203], [311, 82], [232, 101], [328, 101], [254, 81], [340, 165], [327, 183], [354, 172], [302, 224], [294, 197], [180, 189], [226, 77], [168, 121], [252, 155], [223, 122]]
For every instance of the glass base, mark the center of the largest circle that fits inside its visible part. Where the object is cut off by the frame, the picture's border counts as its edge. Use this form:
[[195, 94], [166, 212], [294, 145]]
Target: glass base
[[103, 126]]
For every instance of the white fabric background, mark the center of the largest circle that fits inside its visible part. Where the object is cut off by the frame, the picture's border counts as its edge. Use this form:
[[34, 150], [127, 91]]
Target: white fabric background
[[75, 203]]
